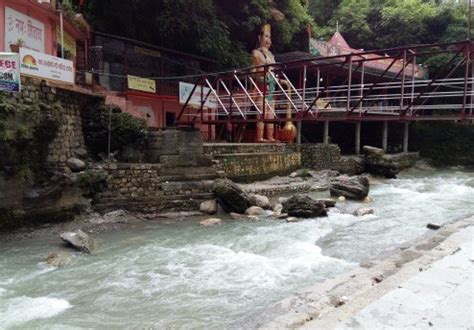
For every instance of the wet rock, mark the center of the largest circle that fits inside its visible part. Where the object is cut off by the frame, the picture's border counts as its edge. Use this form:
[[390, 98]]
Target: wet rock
[[363, 211], [59, 259], [261, 201], [230, 196], [76, 165], [341, 199], [433, 226], [277, 209], [355, 187], [377, 163], [255, 211], [210, 222], [293, 219], [304, 206], [282, 216], [209, 207], [79, 240], [237, 216], [252, 217], [368, 200], [293, 175], [328, 202]]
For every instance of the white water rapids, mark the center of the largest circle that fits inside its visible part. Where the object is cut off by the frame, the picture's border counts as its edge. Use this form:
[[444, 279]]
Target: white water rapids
[[180, 275]]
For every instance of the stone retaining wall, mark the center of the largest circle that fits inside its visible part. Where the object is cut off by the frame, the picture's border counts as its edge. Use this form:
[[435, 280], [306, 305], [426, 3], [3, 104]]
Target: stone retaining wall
[[69, 140], [320, 156]]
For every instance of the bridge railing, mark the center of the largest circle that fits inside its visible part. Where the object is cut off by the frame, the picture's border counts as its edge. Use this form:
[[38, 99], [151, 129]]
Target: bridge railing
[[345, 87]]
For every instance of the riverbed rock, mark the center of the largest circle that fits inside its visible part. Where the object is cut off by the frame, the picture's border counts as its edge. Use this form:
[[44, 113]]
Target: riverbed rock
[[355, 187], [255, 211], [293, 219], [377, 163], [230, 196], [59, 259], [304, 206], [260, 200], [363, 211], [237, 216], [210, 222], [368, 200], [79, 240], [75, 164], [328, 202], [209, 207], [277, 209]]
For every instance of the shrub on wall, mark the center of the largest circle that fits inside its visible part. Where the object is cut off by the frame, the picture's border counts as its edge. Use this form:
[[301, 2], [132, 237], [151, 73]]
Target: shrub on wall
[[125, 130], [26, 130]]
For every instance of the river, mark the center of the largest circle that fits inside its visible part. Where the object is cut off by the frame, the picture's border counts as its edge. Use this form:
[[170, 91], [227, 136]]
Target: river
[[181, 275]]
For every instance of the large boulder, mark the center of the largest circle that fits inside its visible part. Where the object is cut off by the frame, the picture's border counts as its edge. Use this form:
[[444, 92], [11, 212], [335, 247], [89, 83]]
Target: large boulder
[[79, 240], [355, 187], [231, 197], [377, 163], [76, 165], [303, 206]]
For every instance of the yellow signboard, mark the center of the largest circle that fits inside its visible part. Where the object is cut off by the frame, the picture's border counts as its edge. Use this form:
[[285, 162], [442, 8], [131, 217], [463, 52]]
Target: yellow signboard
[[141, 84], [69, 41]]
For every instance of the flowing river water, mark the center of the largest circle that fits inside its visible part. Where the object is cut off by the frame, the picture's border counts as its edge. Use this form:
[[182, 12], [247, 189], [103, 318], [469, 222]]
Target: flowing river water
[[180, 275]]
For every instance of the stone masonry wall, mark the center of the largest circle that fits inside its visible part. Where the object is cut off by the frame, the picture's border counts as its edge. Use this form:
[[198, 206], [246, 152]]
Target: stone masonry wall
[[320, 156], [69, 140]]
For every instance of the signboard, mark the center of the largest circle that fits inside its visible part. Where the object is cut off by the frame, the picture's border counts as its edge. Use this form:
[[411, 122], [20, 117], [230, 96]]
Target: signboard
[[25, 28], [185, 90], [69, 41], [46, 66], [9, 72], [141, 84]]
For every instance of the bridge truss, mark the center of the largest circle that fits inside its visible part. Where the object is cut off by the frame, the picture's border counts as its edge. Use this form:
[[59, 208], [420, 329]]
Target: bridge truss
[[383, 85]]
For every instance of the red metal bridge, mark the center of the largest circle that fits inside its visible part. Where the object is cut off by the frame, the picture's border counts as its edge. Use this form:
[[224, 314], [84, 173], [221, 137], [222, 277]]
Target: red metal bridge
[[383, 85]]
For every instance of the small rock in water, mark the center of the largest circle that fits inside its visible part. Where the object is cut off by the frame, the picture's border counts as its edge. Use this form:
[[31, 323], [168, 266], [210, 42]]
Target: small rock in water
[[59, 259], [293, 175], [210, 222], [252, 217], [378, 279], [433, 226], [368, 200], [363, 211], [292, 219], [261, 201], [79, 240], [282, 216], [328, 202], [341, 199], [255, 210], [277, 209], [237, 216], [209, 207]]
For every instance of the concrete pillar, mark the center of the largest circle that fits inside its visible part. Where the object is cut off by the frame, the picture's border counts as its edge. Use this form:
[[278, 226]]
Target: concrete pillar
[[357, 138], [326, 132], [385, 136], [405, 137], [298, 128]]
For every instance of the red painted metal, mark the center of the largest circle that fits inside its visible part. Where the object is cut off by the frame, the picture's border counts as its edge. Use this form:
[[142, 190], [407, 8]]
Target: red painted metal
[[375, 94]]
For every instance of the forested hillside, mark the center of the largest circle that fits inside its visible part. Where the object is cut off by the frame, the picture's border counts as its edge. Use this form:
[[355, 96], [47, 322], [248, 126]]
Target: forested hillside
[[227, 30]]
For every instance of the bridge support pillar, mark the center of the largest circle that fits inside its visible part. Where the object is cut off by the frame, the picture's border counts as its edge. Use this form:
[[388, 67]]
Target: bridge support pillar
[[405, 137], [326, 132], [298, 128], [357, 138], [385, 136]]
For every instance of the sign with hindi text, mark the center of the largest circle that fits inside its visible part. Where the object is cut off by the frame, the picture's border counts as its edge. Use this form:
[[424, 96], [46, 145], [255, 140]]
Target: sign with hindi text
[[46, 66], [20, 27], [9, 72], [141, 84]]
